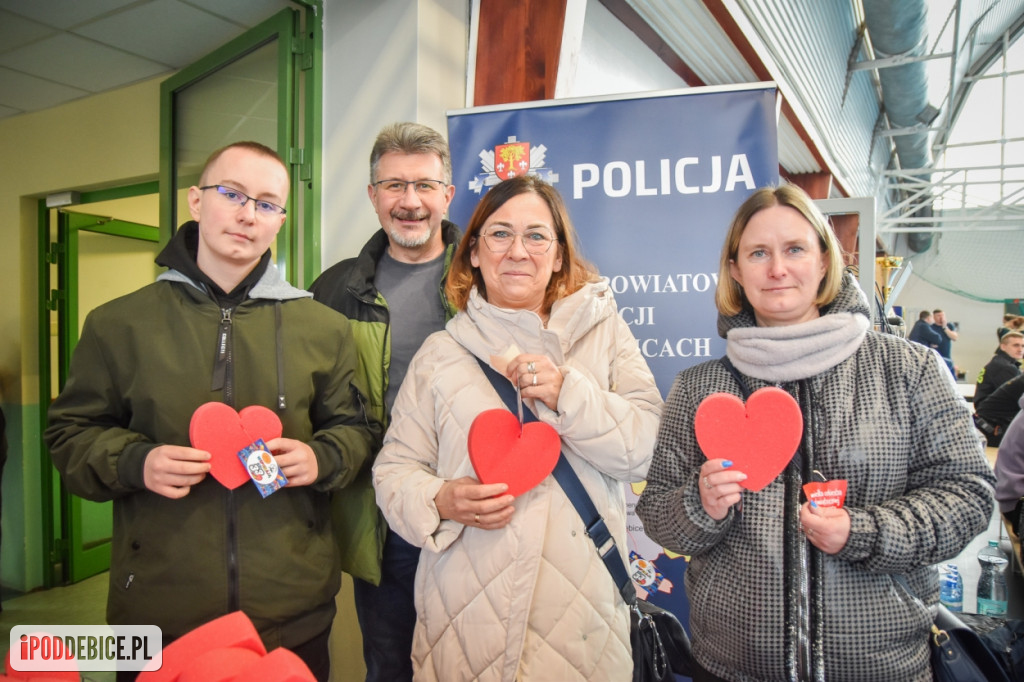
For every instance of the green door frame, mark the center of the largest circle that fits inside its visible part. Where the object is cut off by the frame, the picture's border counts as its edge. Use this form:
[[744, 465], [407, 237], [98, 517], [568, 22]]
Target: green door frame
[[84, 559], [57, 545], [299, 133], [298, 252]]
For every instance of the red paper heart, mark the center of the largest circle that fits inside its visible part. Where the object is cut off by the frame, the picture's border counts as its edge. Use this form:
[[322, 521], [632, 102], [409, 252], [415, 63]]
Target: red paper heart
[[227, 648], [218, 429], [760, 438], [501, 452]]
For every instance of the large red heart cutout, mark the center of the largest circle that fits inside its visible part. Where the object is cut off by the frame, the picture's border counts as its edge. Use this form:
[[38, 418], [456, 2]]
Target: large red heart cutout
[[226, 649], [502, 452], [218, 429], [760, 438]]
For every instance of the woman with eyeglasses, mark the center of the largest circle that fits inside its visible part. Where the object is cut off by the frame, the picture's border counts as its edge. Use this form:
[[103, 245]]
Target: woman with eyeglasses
[[512, 588]]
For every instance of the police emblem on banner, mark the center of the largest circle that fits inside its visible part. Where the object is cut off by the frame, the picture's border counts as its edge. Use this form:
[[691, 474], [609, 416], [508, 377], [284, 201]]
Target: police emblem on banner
[[509, 159]]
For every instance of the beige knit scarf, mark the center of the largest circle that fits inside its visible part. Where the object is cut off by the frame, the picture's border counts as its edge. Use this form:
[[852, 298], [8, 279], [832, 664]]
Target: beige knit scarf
[[796, 351]]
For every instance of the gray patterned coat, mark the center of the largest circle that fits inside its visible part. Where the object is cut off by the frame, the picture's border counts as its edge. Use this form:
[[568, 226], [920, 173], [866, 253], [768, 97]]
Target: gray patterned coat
[[889, 421]]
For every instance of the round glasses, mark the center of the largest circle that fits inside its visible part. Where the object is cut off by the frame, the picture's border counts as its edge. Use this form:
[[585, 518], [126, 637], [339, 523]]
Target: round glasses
[[536, 242], [239, 198], [422, 187]]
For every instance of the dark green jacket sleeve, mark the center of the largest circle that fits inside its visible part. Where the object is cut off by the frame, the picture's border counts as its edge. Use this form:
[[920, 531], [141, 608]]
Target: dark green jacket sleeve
[[346, 434], [98, 457]]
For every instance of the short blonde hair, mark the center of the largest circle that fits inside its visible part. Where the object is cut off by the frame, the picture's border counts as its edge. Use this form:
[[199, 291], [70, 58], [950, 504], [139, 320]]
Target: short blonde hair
[[1005, 338], [249, 145], [729, 296]]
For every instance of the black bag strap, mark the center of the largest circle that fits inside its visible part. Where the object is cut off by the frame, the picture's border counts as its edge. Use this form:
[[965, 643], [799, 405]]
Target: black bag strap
[[727, 363], [595, 526]]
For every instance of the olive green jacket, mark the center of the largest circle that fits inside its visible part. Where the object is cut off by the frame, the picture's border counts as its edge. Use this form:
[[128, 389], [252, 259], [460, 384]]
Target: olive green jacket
[[347, 286], [143, 365]]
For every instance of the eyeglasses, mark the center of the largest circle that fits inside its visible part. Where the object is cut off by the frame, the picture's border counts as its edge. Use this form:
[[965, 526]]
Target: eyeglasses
[[536, 242], [398, 187], [264, 208]]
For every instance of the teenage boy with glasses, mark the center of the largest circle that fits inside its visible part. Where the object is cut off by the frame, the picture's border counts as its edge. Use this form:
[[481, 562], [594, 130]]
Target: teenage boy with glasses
[[219, 325]]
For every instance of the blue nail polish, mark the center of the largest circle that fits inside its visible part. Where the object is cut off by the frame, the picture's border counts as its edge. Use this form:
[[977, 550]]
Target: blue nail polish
[[814, 505], [726, 464]]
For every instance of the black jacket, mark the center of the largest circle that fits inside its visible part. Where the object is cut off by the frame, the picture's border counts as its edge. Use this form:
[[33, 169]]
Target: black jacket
[[1002, 406], [1000, 369]]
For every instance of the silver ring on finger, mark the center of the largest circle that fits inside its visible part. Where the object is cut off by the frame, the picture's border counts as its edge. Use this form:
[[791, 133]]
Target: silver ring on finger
[[476, 518], [534, 379], [707, 483], [531, 367]]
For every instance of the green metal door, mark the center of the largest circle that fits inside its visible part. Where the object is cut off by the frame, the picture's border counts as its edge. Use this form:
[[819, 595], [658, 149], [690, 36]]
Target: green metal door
[[97, 259], [262, 86]]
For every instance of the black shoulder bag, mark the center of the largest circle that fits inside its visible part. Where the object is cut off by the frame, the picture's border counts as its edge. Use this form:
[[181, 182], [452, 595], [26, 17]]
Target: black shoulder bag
[[659, 642], [958, 654]]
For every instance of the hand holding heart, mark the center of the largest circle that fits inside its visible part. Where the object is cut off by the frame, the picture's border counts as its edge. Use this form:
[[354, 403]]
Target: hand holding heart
[[537, 377], [472, 503], [720, 487], [172, 470], [296, 459]]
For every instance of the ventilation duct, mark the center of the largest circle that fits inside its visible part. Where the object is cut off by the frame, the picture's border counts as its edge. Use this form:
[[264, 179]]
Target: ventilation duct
[[898, 28]]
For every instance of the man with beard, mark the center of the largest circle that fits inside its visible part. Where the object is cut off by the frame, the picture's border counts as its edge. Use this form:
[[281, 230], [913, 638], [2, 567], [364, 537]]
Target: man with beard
[[393, 292]]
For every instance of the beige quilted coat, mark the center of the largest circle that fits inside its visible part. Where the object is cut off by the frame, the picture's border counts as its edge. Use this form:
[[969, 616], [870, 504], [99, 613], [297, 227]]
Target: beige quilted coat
[[532, 601]]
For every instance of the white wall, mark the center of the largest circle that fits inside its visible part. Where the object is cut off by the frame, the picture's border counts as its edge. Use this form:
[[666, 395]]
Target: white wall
[[612, 60], [407, 60], [384, 61], [978, 322]]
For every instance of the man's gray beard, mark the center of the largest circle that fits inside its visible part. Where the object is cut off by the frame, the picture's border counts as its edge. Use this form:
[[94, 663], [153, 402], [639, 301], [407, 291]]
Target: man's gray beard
[[410, 242]]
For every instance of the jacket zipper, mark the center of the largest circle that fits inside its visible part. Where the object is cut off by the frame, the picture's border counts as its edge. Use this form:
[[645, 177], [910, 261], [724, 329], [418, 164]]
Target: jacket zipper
[[234, 599], [223, 380]]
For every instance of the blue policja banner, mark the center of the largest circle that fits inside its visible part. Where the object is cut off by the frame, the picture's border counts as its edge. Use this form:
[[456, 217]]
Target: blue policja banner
[[651, 183]]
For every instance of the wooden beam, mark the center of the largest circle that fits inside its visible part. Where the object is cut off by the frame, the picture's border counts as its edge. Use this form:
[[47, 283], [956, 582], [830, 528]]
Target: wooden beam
[[817, 185], [518, 44]]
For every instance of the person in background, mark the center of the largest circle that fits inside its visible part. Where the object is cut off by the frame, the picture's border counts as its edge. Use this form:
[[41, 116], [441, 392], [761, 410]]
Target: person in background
[[1009, 470], [947, 335], [393, 292], [1005, 327], [219, 325], [1004, 365], [781, 589], [514, 589], [993, 415], [923, 333]]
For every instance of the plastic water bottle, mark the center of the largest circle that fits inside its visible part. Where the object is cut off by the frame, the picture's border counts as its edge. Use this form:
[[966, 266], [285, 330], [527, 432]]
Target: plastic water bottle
[[951, 587], [992, 581]]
